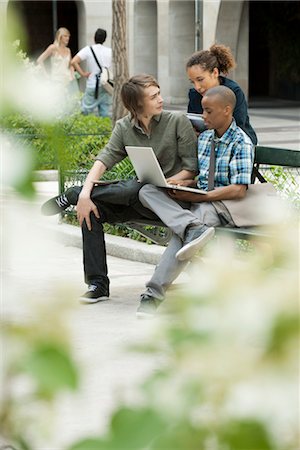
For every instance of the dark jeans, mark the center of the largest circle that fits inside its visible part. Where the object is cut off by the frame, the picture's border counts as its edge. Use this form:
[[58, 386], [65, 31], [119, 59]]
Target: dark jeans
[[116, 203]]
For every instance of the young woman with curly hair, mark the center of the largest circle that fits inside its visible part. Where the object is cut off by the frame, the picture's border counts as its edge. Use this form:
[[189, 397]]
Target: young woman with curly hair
[[204, 69]]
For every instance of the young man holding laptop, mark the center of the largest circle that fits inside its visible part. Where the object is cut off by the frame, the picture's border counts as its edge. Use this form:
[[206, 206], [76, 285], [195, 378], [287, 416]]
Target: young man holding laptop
[[174, 142], [225, 157]]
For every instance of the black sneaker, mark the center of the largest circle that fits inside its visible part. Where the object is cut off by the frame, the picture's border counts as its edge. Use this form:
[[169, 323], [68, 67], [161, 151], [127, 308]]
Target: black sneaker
[[55, 205], [148, 306], [94, 294], [58, 204]]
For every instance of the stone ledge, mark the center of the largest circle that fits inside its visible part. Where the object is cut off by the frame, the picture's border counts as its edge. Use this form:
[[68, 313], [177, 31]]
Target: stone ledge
[[45, 175], [118, 246]]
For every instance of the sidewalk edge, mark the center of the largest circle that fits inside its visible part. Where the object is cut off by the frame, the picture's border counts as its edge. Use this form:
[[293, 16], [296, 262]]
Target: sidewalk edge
[[117, 246]]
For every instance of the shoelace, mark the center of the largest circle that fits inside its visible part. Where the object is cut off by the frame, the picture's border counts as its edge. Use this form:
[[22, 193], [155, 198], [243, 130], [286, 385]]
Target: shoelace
[[92, 287], [62, 201]]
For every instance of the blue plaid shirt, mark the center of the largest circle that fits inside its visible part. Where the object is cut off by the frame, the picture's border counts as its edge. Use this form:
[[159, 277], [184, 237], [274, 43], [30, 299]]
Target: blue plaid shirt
[[234, 157]]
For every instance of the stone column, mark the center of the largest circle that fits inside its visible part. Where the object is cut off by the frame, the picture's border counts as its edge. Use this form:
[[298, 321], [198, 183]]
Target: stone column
[[181, 46], [163, 54], [232, 30], [145, 37], [242, 52], [210, 18], [98, 15]]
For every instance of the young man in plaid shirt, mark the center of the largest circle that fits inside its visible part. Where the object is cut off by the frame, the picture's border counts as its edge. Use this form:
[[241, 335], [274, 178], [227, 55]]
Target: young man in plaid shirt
[[193, 227]]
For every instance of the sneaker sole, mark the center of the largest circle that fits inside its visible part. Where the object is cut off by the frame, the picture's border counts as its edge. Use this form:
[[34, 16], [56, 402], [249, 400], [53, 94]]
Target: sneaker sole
[[90, 301], [192, 248], [51, 208]]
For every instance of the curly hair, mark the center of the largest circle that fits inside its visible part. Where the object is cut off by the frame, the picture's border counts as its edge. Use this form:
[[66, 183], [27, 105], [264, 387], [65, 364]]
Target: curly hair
[[218, 56]]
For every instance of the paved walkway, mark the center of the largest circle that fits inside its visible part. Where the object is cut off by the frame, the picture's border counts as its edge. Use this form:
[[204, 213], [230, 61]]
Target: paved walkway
[[277, 127], [39, 269]]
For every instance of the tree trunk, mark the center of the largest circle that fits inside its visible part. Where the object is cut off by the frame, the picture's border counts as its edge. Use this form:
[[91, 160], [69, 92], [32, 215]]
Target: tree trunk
[[119, 52]]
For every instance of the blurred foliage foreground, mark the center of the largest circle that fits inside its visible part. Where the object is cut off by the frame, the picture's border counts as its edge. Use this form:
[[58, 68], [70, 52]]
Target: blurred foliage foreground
[[228, 345], [229, 352], [70, 143]]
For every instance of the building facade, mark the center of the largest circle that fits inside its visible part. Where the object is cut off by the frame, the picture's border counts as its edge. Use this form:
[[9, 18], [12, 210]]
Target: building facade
[[162, 34]]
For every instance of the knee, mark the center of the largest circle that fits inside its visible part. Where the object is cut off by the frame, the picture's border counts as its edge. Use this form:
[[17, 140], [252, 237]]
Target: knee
[[97, 225], [73, 193], [146, 192]]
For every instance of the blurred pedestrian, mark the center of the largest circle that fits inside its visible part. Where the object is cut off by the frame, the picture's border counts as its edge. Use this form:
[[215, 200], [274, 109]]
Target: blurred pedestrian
[[95, 96], [62, 72], [204, 70]]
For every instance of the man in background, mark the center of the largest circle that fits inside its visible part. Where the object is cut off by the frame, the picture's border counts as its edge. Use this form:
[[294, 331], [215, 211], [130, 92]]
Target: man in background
[[94, 98]]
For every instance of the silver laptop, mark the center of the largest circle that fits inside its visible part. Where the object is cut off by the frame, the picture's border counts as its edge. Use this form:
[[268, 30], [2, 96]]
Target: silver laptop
[[148, 169]]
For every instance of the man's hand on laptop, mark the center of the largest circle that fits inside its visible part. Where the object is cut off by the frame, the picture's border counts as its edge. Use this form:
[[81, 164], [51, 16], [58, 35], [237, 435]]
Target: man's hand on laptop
[[185, 196], [189, 183], [182, 195]]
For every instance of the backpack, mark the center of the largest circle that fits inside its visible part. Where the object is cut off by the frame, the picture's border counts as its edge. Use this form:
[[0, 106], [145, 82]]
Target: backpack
[[104, 78]]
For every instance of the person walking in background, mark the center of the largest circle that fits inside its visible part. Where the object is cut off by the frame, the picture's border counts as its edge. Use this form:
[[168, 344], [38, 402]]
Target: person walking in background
[[204, 70], [93, 98], [62, 71]]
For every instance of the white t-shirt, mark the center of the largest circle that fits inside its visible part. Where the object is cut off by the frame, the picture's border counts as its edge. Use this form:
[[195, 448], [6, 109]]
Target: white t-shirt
[[104, 56]]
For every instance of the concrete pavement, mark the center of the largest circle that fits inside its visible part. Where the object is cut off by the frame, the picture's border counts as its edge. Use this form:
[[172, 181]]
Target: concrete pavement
[[277, 127], [41, 271]]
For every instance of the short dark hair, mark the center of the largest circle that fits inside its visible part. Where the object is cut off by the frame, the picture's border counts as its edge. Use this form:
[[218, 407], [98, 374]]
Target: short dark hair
[[100, 36], [226, 95], [132, 92]]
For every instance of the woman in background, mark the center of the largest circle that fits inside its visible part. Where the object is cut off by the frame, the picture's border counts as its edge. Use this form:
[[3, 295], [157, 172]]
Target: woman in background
[[204, 70], [61, 70]]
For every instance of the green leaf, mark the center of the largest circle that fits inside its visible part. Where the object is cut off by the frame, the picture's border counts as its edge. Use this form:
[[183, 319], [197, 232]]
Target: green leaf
[[135, 428], [285, 328], [26, 187], [90, 444], [22, 444], [182, 436], [246, 435], [52, 368]]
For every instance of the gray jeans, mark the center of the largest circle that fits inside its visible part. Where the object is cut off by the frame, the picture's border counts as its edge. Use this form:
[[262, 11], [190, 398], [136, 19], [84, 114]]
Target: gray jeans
[[177, 218]]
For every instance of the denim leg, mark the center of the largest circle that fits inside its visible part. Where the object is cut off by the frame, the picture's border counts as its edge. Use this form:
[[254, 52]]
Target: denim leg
[[169, 267], [93, 242], [104, 103], [94, 249], [122, 193], [94, 253], [167, 270], [176, 216], [88, 102]]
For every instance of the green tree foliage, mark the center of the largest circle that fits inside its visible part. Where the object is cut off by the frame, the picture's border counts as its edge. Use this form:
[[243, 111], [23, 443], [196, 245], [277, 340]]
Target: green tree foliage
[[71, 143]]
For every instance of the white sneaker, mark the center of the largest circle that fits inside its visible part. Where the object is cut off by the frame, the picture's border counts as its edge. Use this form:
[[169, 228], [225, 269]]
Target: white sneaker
[[189, 250]]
